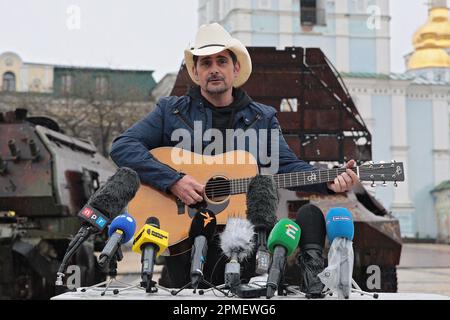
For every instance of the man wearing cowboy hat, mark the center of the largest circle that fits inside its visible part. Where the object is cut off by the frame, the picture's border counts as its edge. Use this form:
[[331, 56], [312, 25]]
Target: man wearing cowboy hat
[[219, 64]]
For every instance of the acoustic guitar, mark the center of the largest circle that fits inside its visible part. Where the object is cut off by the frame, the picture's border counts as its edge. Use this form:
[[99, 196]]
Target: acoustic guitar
[[226, 178]]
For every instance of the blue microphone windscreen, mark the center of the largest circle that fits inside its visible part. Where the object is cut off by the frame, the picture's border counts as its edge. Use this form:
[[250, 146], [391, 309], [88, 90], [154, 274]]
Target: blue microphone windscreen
[[126, 223], [340, 224]]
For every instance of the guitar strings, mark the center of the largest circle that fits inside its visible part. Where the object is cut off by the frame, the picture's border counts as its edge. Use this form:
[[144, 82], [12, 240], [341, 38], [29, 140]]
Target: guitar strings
[[282, 176], [225, 188], [243, 181]]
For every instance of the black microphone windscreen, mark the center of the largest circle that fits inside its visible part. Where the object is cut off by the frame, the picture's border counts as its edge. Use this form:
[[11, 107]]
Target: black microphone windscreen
[[114, 195], [203, 224], [262, 202], [153, 221], [312, 223]]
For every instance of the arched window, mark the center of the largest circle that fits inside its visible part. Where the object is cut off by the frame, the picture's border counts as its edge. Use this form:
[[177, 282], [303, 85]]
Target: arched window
[[9, 82]]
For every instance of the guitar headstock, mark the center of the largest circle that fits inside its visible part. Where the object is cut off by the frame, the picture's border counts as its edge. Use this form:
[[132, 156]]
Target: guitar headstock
[[389, 171]]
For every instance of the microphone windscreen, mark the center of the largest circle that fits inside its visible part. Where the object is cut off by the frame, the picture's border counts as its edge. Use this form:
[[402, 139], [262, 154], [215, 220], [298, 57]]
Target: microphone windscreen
[[340, 224], [262, 202], [285, 233], [114, 195], [125, 223], [203, 224], [237, 237], [153, 221], [312, 222]]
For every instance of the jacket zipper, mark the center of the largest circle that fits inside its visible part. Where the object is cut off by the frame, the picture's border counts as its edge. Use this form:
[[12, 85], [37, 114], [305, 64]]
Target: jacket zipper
[[185, 121], [258, 116]]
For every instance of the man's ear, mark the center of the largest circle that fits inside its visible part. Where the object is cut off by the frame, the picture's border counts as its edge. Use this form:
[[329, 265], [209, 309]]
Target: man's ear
[[237, 68]]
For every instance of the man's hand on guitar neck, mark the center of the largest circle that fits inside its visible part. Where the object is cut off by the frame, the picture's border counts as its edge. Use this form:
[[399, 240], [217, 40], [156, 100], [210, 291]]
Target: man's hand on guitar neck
[[188, 190], [345, 181]]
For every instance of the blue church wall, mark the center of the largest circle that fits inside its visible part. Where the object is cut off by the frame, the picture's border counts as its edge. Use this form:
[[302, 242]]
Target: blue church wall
[[421, 165], [381, 142], [362, 55]]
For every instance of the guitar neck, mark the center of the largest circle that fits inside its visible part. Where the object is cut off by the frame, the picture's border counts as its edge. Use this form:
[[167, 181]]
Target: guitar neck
[[293, 179]]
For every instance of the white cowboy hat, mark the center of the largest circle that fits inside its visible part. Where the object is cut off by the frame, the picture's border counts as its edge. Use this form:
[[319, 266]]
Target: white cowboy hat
[[213, 38]]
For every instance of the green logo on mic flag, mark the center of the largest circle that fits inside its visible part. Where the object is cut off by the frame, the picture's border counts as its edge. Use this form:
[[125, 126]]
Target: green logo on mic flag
[[285, 233]]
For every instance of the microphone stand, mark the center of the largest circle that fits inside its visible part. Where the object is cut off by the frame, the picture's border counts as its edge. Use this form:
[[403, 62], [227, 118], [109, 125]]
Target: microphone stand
[[282, 288], [353, 285], [112, 273], [355, 289], [150, 286], [201, 292], [219, 287]]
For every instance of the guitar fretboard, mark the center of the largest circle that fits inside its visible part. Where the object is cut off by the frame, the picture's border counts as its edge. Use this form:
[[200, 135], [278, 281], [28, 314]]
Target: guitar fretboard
[[291, 180]]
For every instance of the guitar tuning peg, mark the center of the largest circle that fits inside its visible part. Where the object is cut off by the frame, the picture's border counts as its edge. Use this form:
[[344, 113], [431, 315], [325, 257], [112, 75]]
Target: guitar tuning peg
[[382, 162], [393, 161], [395, 184], [384, 184], [373, 185]]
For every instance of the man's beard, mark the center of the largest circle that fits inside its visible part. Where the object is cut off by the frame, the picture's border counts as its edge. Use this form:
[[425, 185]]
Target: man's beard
[[216, 90]]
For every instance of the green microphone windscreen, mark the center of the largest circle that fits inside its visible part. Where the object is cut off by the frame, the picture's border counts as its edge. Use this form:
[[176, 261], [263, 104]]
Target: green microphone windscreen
[[285, 233]]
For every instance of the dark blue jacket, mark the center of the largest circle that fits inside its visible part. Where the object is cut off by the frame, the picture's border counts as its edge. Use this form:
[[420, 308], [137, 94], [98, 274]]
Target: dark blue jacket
[[131, 148]]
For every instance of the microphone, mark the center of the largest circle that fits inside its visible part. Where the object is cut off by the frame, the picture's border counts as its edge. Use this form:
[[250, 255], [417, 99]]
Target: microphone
[[121, 230], [106, 203], [202, 230], [150, 242], [282, 242], [236, 242], [339, 223], [262, 202], [312, 241], [340, 231], [110, 199]]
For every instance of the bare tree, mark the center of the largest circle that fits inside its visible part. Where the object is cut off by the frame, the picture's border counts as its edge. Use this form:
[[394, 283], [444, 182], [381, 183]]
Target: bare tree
[[97, 117]]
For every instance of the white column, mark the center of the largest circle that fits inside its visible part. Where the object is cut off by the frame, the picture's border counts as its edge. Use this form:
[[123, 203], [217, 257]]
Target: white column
[[383, 48], [285, 24], [241, 4], [440, 140], [241, 25], [364, 104], [383, 39], [401, 206], [284, 5], [342, 38]]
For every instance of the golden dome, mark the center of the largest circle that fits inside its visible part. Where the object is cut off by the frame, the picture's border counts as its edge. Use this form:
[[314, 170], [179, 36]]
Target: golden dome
[[435, 31], [430, 41], [429, 58]]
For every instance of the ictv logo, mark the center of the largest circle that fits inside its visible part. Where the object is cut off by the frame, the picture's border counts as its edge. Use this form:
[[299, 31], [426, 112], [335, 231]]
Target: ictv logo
[[291, 231]]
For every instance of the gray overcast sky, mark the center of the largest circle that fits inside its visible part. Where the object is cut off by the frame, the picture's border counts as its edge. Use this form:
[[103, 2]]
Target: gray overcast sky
[[136, 34]]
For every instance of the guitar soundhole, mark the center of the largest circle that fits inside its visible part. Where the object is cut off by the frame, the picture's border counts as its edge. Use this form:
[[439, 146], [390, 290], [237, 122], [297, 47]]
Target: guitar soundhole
[[218, 189]]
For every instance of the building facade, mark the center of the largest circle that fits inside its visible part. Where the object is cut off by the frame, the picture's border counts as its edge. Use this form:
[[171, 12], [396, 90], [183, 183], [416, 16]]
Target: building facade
[[90, 103], [408, 114], [344, 30], [17, 76]]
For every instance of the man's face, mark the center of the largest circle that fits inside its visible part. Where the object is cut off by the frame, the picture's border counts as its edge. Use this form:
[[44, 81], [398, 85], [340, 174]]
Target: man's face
[[216, 73]]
